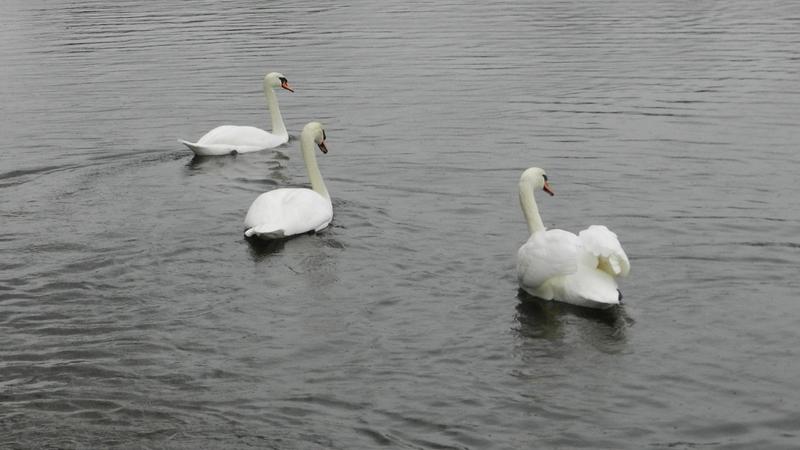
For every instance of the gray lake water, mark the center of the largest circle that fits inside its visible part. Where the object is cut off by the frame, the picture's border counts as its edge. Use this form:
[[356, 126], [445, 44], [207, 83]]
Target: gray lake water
[[133, 314]]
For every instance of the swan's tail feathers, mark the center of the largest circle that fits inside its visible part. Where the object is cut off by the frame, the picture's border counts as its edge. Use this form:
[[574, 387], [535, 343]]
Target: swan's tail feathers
[[192, 146], [211, 149], [603, 242], [264, 233]]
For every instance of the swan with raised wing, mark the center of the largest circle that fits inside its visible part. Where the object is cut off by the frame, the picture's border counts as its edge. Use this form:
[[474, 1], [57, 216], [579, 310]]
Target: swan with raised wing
[[285, 212], [228, 139], [559, 265]]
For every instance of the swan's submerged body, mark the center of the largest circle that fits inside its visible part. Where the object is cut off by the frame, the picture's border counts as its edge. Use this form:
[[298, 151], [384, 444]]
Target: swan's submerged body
[[559, 265], [228, 139], [286, 212]]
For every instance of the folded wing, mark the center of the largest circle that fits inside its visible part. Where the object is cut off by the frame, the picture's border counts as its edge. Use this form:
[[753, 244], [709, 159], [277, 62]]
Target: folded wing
[[546, 255], [286, 212]]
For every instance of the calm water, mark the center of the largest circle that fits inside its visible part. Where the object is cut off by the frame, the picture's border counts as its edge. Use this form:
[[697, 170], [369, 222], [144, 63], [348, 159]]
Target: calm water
[[133, 314]]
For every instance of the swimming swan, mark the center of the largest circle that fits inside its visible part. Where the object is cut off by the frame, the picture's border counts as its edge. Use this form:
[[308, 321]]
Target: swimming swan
[[558, 265], [285, 212], [227, 139]]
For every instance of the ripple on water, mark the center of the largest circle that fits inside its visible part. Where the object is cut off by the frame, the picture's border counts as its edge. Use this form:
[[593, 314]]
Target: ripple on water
[[133, 310]]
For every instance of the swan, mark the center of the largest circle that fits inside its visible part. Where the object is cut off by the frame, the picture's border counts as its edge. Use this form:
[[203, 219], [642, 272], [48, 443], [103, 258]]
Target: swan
[[284, 212], [227, 139], [558, 265]]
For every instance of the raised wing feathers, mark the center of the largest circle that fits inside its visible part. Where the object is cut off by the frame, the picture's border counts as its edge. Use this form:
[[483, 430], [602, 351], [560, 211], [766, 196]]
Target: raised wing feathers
[[602, 242]]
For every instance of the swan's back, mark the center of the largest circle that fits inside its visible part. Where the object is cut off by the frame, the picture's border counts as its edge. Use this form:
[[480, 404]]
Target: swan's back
[[288, 211], [242, 139], [547, 254]]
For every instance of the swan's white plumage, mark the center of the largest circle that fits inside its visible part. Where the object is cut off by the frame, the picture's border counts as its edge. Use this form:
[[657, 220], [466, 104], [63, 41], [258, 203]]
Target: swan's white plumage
[[559, 265], [547, 255], [227, 139], [285, 212], [603, 243]]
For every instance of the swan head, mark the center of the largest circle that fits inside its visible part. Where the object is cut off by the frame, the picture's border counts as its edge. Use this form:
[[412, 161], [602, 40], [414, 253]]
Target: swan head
[[277, 80], [316, 132], [536, 178]]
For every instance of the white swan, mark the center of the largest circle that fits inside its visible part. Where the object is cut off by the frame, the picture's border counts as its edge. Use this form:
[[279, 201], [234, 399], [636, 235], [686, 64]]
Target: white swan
[[285, 212], [558, 265], [227, 139]]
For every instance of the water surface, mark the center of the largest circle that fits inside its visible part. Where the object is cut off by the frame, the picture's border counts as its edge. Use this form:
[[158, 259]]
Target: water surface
[[134, 314]]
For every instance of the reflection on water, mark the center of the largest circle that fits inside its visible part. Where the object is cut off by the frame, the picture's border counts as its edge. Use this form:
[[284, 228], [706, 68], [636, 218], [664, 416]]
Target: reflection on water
[[551, 320], [273, 170], [200, 165], [260, 248], [200, 161]]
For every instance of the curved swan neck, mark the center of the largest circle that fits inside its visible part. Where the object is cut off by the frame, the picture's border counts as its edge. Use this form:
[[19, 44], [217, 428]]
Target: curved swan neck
[[529, 208], [278, 128], [309, 156]]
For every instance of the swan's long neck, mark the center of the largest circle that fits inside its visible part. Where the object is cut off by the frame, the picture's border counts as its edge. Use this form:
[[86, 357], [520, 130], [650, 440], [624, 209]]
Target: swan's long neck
[[529, 208], [278, 128], [309, 156]]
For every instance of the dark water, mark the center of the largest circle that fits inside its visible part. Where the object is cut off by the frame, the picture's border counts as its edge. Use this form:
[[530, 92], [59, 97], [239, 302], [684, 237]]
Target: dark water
[[134, 315]]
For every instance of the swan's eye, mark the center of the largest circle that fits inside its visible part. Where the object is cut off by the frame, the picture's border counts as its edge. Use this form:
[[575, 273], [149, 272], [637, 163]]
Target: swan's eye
[[283, 80], [545, 177], [323, 135]]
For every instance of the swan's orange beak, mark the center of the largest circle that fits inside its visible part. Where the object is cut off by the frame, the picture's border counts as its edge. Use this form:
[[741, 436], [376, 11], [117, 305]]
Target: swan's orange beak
[[547, 189], [323, 147], [285, 85]]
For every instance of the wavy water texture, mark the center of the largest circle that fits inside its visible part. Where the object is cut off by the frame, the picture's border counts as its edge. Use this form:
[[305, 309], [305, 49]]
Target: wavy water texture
[[134, 314]]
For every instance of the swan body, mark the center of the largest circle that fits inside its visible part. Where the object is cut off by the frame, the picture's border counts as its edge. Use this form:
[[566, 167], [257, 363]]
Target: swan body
[[560, 265], [227, 139], [285, 212]]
